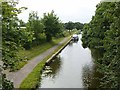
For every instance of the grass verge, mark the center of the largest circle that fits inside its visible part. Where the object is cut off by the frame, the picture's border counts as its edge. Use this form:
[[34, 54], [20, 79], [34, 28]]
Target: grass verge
[[35, 51], [33, 79]]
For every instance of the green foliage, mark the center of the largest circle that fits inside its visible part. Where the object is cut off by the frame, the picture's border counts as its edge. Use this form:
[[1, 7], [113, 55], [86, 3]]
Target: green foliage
[[35, 25], [78, 25], [103, 34], [52, 25], [26, 37], [70, 25], [9, 33], [85, 36], [6, 84], [22, 23], [12, 36]]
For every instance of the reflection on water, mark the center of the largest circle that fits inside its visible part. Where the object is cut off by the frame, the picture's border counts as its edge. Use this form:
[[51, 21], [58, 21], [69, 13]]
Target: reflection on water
[[91, 77], [52, 69], [87, 76], [72, 68]]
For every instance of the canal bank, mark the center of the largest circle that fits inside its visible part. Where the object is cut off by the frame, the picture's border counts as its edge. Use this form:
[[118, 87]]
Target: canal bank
[[57, 52]]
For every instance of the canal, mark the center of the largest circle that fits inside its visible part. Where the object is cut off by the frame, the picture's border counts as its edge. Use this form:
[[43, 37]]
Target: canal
[[72, 68]]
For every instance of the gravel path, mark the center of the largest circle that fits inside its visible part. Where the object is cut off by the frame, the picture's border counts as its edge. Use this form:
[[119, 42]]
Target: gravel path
[[18, 76]]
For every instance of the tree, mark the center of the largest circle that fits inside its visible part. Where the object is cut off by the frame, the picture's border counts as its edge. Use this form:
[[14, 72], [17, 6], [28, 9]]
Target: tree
[[35, 25], [6, 84], [110, 59], [52, 25], [69, 25], [12, 36], [73, 25], [78, 25], [22, 23]]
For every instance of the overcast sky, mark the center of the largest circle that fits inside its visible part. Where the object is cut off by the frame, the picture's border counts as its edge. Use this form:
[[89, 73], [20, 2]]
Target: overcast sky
[[67, 10]]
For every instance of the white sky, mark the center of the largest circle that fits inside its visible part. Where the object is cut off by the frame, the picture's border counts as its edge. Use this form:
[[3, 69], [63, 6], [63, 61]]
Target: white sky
[[67, 10]]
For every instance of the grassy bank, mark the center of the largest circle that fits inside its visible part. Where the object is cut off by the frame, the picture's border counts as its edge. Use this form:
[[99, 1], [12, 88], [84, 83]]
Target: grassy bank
[[29, 54], [35, 51], [32, 80]]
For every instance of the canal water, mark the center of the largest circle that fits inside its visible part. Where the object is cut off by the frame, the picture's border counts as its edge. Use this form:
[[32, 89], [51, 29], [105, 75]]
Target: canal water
[[72, 68]]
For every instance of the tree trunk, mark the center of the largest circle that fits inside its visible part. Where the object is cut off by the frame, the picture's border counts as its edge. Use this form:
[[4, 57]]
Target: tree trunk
[[48, 37]]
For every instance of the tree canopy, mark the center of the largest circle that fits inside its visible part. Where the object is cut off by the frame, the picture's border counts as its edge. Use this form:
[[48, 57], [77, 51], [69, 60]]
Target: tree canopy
[[52, 25], [12, 36], [73, 25]]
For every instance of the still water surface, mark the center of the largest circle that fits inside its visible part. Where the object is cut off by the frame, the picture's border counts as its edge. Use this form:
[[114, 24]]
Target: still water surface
[[72, 68]]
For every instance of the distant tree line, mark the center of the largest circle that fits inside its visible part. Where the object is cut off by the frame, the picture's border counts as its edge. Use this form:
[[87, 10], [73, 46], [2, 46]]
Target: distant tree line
[[103, 34], [73, 25]]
